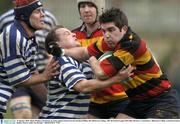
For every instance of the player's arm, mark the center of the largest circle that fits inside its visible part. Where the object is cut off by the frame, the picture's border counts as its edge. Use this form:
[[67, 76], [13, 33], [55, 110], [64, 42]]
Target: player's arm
[[97, 70], [93, 85], [50, 71], [78, 53]]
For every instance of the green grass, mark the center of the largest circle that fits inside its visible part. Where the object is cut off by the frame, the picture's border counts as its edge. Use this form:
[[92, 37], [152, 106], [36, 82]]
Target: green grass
[[8, 114]]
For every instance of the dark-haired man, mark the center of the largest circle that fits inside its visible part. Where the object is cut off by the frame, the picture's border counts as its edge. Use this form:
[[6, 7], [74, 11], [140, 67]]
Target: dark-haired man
[[150, 92], [110, 101]]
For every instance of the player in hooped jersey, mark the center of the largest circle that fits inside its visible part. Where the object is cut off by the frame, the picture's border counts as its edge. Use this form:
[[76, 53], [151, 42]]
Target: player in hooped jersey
[[30, 100], [18, 49]]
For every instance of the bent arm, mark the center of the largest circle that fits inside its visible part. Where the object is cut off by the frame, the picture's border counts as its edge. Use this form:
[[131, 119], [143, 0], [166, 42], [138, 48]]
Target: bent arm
[[34, 79], [97, 70], [89, 86], [50, 71]]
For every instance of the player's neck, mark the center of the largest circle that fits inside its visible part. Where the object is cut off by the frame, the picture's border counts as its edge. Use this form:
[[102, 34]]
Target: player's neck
[[90, 28], [28, 30]]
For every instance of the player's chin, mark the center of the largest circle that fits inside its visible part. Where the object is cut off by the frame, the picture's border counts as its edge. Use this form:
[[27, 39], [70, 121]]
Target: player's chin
[[39, 27], [78, 44], [111, 46]]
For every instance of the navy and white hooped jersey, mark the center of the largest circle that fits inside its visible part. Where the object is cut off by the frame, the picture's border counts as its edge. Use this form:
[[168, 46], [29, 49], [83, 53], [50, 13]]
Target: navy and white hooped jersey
[[50, 22], [17, 60], [64, 102], [6, 19]]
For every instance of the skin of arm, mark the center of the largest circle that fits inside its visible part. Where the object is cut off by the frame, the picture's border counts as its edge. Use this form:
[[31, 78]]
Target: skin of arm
[[50, 71], [78, 53], [93, 85], [97, 70]]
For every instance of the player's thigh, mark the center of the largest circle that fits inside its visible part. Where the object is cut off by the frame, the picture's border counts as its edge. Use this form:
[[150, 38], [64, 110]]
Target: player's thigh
[[166, 106], [113, 108], [96, 110]]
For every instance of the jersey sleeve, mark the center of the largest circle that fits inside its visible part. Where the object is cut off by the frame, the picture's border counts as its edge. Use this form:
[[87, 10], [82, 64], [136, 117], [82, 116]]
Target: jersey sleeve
[[95, 49], [70, 72], [14, 63]]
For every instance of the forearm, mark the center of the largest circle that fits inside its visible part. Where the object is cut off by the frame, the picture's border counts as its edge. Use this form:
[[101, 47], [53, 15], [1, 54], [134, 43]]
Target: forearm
[[97, 70], [88, 86], [49, 72], [34, 79], [78, 53], [40, 90], [93, 85]]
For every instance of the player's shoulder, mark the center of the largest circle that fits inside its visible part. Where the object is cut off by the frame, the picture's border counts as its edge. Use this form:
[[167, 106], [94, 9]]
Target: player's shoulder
[[66, 59], [7, 13], [48, 13]]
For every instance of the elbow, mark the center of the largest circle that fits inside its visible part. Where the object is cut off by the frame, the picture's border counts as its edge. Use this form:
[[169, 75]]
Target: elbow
[[82, 87], [84, 91]]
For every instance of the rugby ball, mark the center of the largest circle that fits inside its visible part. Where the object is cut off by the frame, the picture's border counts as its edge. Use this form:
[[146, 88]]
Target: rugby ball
[[105, 55]]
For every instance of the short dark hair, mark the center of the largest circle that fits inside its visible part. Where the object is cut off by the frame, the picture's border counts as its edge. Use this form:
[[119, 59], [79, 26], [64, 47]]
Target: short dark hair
[[52, 39], [114, 15]]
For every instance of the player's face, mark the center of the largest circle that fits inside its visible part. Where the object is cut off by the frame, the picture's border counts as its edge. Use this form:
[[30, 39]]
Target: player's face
[[37, 18], [112, 34], [67, 38], [88, 13]]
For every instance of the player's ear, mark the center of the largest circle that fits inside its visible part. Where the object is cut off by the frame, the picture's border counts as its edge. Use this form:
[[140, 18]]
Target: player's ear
[[124, 28]]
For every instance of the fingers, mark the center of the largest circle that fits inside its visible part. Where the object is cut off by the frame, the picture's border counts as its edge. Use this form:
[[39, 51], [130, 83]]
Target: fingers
[[123, 68], [52, 60], [55, 68], [52, 69], [124, 74], [130, 68], [54, 64], [127, 71]]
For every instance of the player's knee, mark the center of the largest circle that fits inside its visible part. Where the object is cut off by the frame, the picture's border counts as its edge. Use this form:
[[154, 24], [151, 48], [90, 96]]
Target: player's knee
[[89, 116], [23, 114], [22, 110], [123, 116]]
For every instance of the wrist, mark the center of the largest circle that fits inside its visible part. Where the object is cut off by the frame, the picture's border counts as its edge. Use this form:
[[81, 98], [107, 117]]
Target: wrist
[[43, 77]]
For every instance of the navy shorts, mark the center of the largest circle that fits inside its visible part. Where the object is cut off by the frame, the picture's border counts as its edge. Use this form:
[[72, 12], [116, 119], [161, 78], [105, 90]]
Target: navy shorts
[[163, 106], [27, 91], [108, 110]]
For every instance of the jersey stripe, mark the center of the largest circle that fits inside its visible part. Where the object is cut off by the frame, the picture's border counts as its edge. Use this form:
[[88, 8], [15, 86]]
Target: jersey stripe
[[147, 77], [63, 101], [114, 92]]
